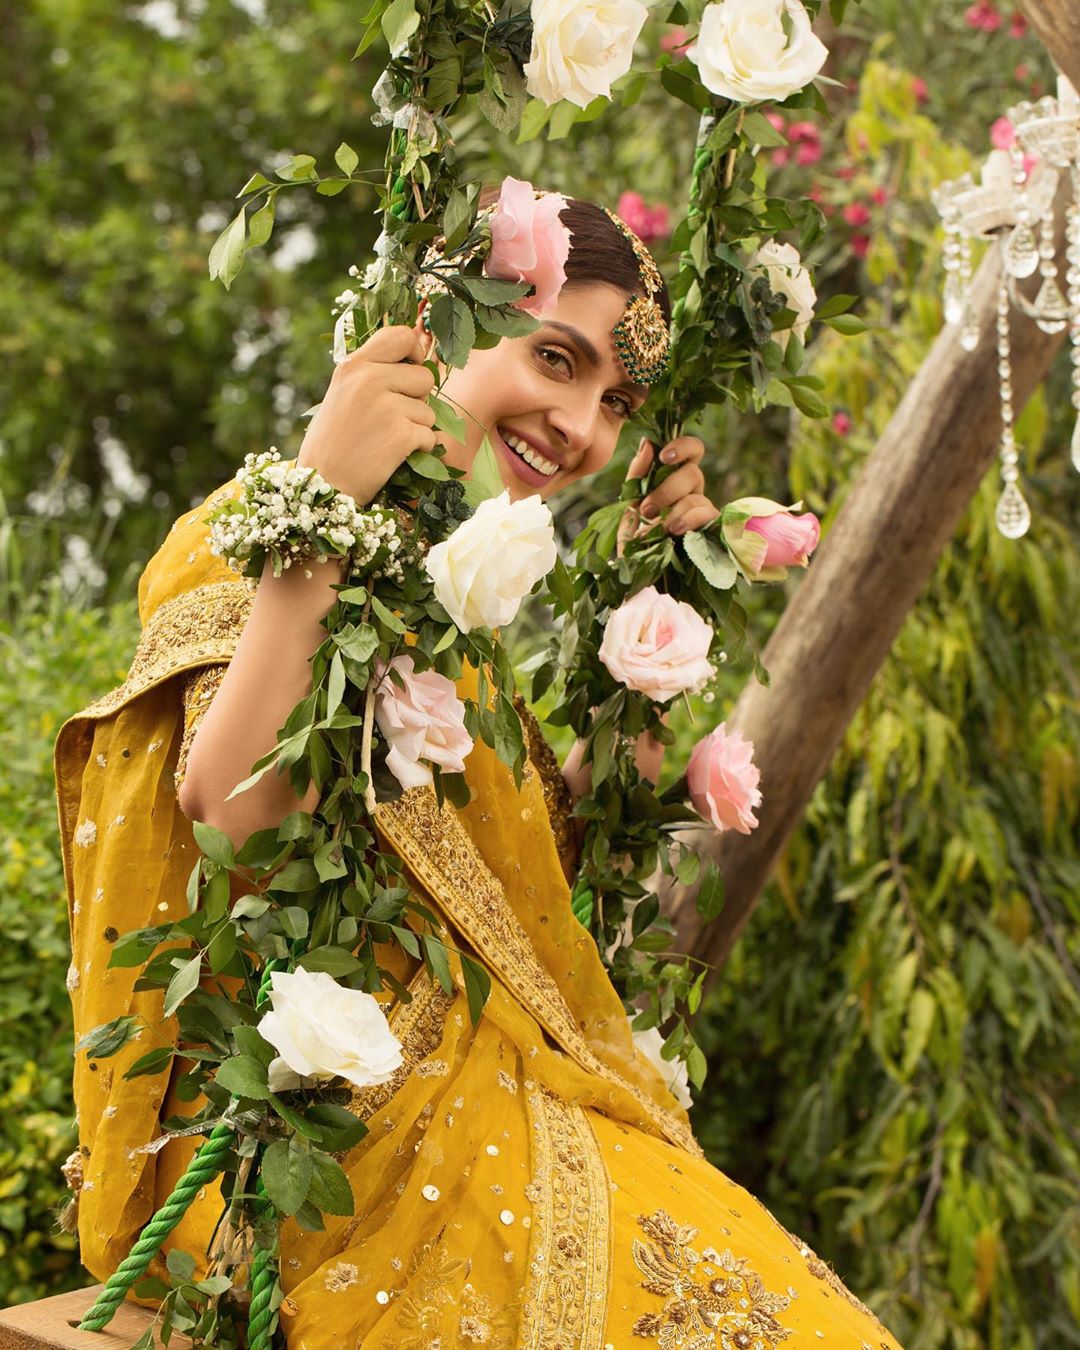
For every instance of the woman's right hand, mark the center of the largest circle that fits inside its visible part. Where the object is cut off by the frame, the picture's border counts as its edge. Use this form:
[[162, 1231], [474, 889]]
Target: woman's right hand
[[374, 415]]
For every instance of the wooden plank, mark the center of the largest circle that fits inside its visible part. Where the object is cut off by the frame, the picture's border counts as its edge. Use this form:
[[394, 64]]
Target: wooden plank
[[1057, 26], [51, 1324]]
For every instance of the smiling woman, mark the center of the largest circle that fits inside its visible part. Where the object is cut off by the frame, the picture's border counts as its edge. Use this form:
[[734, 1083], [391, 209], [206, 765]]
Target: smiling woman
[[527, 1180]]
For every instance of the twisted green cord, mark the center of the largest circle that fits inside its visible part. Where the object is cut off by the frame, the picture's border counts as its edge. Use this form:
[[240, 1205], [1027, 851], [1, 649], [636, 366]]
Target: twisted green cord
[[264, 1273], [207, 1164]]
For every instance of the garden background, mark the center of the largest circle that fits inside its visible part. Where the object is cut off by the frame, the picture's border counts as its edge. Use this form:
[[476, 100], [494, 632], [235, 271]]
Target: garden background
[[894, 1045]]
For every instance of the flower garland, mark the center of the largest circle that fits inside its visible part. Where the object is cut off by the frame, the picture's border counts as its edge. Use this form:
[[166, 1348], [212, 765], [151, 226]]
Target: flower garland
[[637, 630]]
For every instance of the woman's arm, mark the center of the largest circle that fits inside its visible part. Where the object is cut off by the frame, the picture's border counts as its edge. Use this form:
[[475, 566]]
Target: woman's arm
[[648, 756], [268, 676]]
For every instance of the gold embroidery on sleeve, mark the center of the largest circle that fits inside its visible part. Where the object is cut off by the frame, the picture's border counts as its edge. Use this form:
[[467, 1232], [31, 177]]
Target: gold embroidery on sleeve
[[557, 799], [200, 686], [710, 1298], [566, 1297]]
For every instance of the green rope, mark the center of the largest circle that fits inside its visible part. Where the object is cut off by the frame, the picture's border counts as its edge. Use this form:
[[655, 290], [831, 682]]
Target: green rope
[[207, 1164], [264, 1274]]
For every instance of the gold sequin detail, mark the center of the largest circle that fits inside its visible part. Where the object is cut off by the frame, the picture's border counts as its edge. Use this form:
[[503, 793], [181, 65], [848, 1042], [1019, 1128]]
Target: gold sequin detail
[[439, 1310], [718, 1301], [566, 1296], [419, 1026]]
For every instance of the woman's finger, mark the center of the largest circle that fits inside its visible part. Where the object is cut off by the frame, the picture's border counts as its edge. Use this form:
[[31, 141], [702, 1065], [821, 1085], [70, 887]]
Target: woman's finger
[[686, 480], [683, 450], [692, 513], [639, 465]]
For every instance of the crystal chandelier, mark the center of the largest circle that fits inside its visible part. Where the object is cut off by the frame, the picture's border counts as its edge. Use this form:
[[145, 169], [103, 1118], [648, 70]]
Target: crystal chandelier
[[1016, 209]]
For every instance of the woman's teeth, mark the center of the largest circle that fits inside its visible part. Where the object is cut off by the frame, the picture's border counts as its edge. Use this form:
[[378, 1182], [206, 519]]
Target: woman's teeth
[[530, 456]]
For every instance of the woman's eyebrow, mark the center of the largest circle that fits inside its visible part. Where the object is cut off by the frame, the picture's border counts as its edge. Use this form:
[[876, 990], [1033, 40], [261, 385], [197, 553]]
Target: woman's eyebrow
[[588, 350]]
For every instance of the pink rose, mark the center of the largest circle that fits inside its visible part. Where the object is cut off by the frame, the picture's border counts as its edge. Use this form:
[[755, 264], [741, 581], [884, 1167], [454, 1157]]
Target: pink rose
[[860, 245], [723, 780], [776, 121], [1017, 25], [657, 645], [529, 243], [423, 721], [920, 89], [1002, 134], [781, 156], [649, 223], [790, 539], [809, 152], [858, 213], [841, 423], [804, 131]]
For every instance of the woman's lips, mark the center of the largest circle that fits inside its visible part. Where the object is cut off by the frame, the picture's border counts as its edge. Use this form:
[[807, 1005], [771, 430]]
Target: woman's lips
[[524, 471]]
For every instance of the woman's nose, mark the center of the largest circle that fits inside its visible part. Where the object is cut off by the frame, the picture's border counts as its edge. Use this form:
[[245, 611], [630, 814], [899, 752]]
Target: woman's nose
[[575, 423]]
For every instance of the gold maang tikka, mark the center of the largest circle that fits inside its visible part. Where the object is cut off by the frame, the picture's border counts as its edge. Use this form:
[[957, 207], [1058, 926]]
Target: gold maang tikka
[[642, 336]]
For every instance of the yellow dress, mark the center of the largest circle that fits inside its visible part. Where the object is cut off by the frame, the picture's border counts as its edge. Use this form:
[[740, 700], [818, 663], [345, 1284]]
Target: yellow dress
[[525, 1182]]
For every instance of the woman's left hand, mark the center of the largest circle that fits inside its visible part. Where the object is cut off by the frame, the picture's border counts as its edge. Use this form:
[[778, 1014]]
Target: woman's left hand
[[681, 491]]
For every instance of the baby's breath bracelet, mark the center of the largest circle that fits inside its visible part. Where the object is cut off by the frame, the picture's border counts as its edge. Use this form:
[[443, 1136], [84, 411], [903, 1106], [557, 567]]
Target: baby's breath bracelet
[[290, 514]]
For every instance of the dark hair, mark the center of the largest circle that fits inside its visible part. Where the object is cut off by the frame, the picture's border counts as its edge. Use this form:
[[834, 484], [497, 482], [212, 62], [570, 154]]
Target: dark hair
[[599, 251]]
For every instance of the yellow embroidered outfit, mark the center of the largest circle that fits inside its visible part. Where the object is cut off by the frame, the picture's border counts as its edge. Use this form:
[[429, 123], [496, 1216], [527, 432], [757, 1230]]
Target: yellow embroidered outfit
[[525, 1182]]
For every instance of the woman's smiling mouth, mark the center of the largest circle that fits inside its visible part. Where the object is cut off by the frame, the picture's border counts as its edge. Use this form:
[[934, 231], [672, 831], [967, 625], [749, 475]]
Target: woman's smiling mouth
[[527, 462]]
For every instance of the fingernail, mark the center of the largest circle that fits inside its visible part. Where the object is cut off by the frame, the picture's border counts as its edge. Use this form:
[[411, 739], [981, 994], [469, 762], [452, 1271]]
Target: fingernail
[[667, 456], [648, 507]]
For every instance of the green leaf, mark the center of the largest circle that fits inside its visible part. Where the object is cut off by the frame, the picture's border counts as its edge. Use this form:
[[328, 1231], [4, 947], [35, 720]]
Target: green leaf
[[330, 187], [428, 465], [335, 685], [492, 291], [360, 645], [399, 23], [180, 1265], [154, 1061], [711, 559], [183, 983], [436, 958], [106, 1039], [244, 1076], [534, 119], [485, 480], [286, 1172], [757, 127], [227, 255], [217, 845], [334, 960], [848, 324], [710, 896], [254, 184], [477, 986], [447, 418], [836, 304], [261, 224], [346, 158], [387, 617], [453, 327], [457, 217], [339, 1130], [808, 402], [330, 1190], [563, 117], [687, 868], [298, 169], [696, 1066]]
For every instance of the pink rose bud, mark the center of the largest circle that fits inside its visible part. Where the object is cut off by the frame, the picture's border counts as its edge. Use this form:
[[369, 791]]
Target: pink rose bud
[[423, 724], [529, 243], [723, 780], [765, 538], [1002, 134], [841, 423], [657, 645], [674, 41]]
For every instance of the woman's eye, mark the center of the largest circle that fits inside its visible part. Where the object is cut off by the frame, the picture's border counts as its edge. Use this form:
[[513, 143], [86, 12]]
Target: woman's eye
[[547, 352], [625, 408]]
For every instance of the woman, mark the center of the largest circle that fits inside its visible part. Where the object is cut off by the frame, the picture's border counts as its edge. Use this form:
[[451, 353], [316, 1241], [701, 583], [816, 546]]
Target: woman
[[526, 1182]]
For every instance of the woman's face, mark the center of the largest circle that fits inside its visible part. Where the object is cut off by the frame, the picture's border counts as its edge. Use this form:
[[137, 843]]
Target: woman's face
[[559, 395]]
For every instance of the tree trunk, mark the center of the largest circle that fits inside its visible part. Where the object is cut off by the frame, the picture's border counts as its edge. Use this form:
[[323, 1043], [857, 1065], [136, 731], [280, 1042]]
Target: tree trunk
[[865, 576], [1057, 25]]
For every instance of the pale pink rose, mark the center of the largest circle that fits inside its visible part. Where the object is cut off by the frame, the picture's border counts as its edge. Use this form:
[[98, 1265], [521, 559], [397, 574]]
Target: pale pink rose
[[657, 645], [529, 243], [423, 724], [723, 780], [1002, 134], [790, 539]]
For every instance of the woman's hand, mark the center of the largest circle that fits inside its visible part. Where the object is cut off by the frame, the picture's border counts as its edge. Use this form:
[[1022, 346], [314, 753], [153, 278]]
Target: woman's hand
[[680, 494], [374, 415]]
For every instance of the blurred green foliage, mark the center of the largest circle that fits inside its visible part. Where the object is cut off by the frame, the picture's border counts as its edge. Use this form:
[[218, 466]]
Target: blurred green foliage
[[894, 1045]]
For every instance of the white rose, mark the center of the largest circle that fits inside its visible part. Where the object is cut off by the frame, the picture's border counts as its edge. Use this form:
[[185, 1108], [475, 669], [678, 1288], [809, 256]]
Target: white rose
[[580, 46], [492, 561], [744, 53], [672, 1071], [323, 1030], [789, 278], [425, 721]]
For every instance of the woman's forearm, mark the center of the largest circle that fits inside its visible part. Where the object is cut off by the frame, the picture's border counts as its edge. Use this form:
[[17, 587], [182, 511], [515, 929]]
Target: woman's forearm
[[269, 674], [648, 756]]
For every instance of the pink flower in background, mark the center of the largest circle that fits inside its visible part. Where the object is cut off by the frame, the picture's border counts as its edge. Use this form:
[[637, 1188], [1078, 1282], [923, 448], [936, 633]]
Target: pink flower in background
[[841, 423], [649, 223], [675, 41], [657, 645], [423, 724], [920, 89], [723, 780], [1029, 163], [789, 539], [879, 196], [808, 153], [529, 243], [857, 214], [846, 171], [1018, 25], [807, 139], [860, 245], [984, 14], [781, 156], [1002, 134], [1022, 71], [776, 121]]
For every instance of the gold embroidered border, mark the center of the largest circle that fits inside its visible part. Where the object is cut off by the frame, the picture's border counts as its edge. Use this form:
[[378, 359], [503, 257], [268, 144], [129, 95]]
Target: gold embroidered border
[[437, 849], [565, 1303], [200, 627], [419, 1027]]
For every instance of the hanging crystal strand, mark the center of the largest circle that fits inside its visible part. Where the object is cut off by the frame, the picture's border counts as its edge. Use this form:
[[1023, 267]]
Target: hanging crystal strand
[[1051, 309], [1012, 515], [1072, 277], [1021, 251], [969, 330], [954, 286]]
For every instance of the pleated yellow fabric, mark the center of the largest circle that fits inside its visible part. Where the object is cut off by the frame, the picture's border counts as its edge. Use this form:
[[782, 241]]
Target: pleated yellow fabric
[[528, 1181]]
